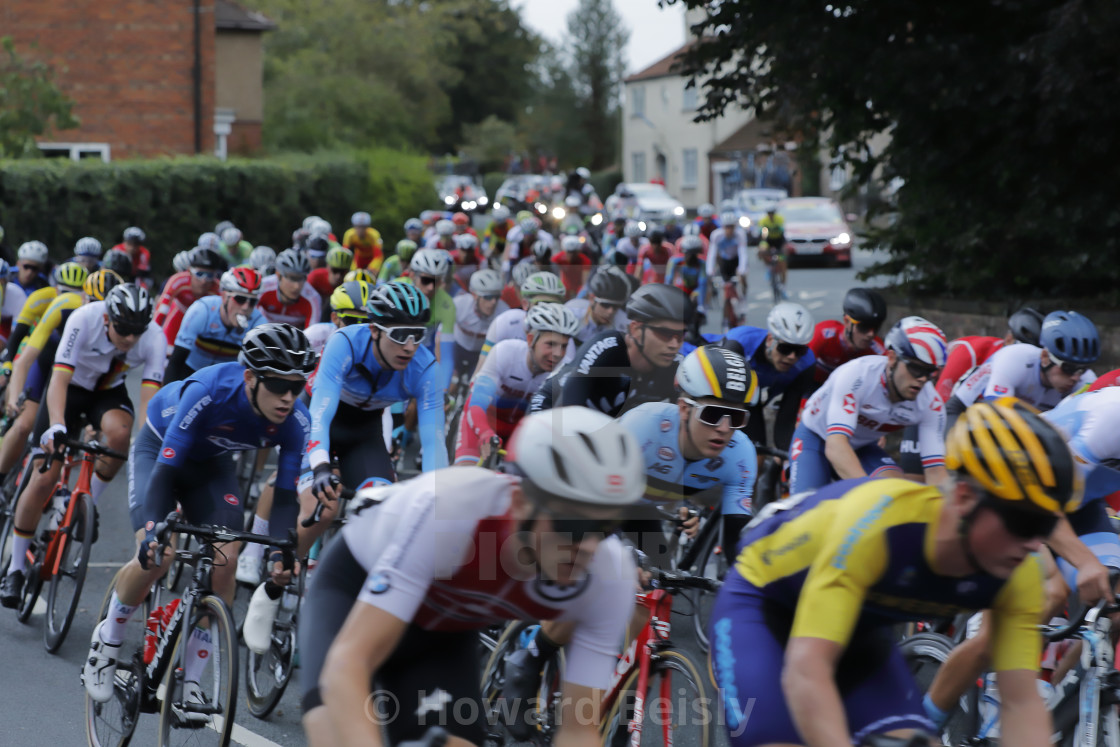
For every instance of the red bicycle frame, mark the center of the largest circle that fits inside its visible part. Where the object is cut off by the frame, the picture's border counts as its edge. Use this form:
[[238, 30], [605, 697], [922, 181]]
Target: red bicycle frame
[[55, 550]]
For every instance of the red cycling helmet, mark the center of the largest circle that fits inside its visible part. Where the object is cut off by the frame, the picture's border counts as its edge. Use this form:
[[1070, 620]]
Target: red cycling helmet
[[242, 280], [461, 219]]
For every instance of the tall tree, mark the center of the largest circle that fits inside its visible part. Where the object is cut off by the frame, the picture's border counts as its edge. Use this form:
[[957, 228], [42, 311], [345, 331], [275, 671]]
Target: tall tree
[[551, 123], [31, 104], [597, 41]]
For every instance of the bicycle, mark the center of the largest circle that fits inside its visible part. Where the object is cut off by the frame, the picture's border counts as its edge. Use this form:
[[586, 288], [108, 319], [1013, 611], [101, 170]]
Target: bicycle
[[59, 554], [150, 673], [771, 257], [731, 305], [651, 664]]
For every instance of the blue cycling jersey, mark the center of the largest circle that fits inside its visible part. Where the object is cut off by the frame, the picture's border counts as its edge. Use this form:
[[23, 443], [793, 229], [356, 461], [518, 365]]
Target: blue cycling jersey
[[1088, 421], [669, 476], [349, 372], [207, 337], [771, 382]]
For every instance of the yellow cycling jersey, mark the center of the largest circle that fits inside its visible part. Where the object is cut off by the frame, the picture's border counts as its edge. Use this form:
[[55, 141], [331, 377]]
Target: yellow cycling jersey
[[35, 305], [859, 553], [53, 318]]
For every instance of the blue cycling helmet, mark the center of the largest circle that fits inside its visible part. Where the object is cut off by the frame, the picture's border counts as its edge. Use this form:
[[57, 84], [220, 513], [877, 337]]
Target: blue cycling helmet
[[413, 224], [1070, 337], [398, 303]]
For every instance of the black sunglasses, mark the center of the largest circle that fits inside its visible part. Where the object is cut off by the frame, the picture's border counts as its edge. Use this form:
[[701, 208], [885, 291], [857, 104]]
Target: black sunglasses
[[608, 304], [489, 297], [1023, 524], [919, 370], [864, 327], [244, 300], [128, 330], [713, 415], [426, 280], [1070, 369], [282, 386], [666, 334], [785, 348], [404, 335]]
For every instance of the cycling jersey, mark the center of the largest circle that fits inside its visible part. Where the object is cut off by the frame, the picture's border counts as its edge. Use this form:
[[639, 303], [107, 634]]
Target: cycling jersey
[[391, 269], [317, 335], [494, 236], [831, 348], [366, 248], [1112, 378], [671, 477], [207, 337], [503, 386], [14, 299], [1013, 371], [141, 259], [235, 254], [464, 264], [571, 268], [33, 310], [53, 318], [509, 325], [692, 279], [775, 227], [965, 354], [438, 242], [320, 280], [588, 329], [727, 249], [96, 363], [173, 303], [35, 305], [470, 326], [630, 248], [301, 313], [349, 372], [707, 226]]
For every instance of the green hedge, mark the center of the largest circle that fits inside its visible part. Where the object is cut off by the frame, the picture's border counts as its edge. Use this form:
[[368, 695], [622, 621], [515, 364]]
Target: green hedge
[[176, 199]]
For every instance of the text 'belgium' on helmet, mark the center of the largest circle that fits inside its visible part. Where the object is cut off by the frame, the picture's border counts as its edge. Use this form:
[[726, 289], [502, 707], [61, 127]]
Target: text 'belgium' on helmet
[[398, 303], [915, 338], [277, 348], [1026, 325], [432, 262], [791, 323], [551, 317], [577, 454], [1070, 337], [714, 371], [292, 262], [129, 305], [609, 284], [865, 306], [1016, 456], [654, 301]]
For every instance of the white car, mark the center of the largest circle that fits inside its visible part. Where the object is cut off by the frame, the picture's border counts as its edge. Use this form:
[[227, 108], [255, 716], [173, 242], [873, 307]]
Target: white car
[[816, 231], [642, 201]]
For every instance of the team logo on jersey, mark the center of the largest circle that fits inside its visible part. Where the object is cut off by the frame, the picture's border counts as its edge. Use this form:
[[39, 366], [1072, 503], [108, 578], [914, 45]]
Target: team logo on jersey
[[665, 453], [230, 498], [999, 389], [936, 405], [271, 429], [849, 403], [550, 591], [150, 526], [666, 425], [714, 463], [795, 450], [378, 583], [168, 453]]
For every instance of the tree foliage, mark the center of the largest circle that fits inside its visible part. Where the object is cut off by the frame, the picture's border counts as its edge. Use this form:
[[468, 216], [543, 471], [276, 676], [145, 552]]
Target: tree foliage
[[1004, 118], [551, 122], [597, 40], [30, 103]]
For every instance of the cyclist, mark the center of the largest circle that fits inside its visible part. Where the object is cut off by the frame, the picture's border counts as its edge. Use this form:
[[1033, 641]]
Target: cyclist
[[653, 258], [413, 230], [406, 586], [286, 296], [233, 245], [100, 343], [183, 288], [801, 629], [364, 241], [396, 265], [120, 263], [325, 279], [348, 306], [465, 261], [428, 271], [1041, 376], [32, 260], [836, 342], [138, 254], [626, 250], [608, 291], [521, 240], [687, 271], [263, 260], [494, 235], [87, 253], [727, 257], [843, 421], [68, 277], [706, 219], [444, 236], [512, 373], [538, 287], [572, 264], [214, 327], [474, 313], [182, 456], [772, 246], [616, 371]]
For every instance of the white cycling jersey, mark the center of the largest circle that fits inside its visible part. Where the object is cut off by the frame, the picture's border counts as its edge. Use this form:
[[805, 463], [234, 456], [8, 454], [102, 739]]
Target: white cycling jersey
[[97, 363], [14, 299], [470, 326], [588, 328], [317, 335], [630, 247], [854, 402], [514, 237], [510, 325], [438, 553], [1012, 371]]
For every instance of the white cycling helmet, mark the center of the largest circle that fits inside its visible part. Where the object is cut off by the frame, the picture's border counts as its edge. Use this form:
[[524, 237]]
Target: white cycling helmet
[[633, 230], [580, 455], [466, 241], [182, 261], [570, 244], [361, 220], [263, 259], [432, 262], [33, 251], [529, 226], [319, 228], [87, 246], [521, 271], [486, 282], [542, 251], [572, 202], [551, 317], [728, 219], [707, 210], [500, 213], [444, 227], [541, 284], [134, 232], [308, 221], [691, 229], [209, 240], [790, 323], [231, 237]]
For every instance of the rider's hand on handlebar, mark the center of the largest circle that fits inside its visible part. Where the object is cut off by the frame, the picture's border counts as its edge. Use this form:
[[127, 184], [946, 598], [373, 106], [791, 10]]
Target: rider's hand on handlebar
[[146, 553], [690, 523], [282, 576], [1093, 582], [325, 485], [47, 439], [484, 450]]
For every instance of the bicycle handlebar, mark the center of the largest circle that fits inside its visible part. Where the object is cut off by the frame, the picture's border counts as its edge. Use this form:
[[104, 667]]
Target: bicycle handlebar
[[92, 447], [317, 515], [764, 450], [208, 533], [1089, 615], [675, 581]]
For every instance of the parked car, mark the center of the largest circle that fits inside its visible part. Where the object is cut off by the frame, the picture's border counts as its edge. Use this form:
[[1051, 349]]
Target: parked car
[[524, 192], [752, 204], [816, 230], [647, 202], [461, 193]]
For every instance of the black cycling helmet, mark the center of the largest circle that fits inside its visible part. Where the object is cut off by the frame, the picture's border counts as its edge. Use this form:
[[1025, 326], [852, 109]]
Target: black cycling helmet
[[610, 284], [659, 301], [205, 258], [277, 348], [129, 306], [656, 235], [398, 303], [318, 243], [119, 262], [866, 306], [1026, 325]]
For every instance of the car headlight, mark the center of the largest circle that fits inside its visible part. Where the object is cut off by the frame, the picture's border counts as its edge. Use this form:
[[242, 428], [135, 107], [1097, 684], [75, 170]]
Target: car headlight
[[842, 240], [483, 200], [642, 225], [678, 210], [597, 219], [541, 208], [745, 222], [449, 200], [558, 213], [497, 205]]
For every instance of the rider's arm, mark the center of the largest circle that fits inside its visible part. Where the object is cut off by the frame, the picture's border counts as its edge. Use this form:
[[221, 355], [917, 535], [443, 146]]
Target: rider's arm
[[740, 469], [741, 235], [429, 392], [177, 368], [155, 360], [931, 442], [484, 391], [56, 393], [20, 369], [809, 684], [1065, 543], [710, 260], [838, 449], [841, 414], [798, 390], [285, 503], [335, 363]]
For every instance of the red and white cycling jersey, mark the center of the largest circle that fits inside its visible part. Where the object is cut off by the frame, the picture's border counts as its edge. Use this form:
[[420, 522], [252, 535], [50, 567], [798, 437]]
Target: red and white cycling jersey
[[173, 303], [470, 327], [302, 313], [854, 402], [1013, 371], [965, 354], [439, 553], [831, 348]]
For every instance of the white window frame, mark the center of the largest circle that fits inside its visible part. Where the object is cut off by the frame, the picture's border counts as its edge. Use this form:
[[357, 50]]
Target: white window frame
[[74, 151], [638, 164], [690, 180], [637, 101], [690, 98]]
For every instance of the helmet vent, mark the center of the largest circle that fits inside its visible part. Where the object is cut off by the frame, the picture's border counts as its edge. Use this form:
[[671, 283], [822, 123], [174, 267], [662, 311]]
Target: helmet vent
[[590, 446], [558, 463]]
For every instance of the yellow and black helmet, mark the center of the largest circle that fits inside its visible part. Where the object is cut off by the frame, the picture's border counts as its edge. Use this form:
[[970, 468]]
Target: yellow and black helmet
[[340, 258], [349, 301], [362, 274], [99, 283], [1017, 457], [70, 275], [714, 371]]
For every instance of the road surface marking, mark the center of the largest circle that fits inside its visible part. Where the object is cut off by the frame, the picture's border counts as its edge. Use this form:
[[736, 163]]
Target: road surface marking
[[241, 735]]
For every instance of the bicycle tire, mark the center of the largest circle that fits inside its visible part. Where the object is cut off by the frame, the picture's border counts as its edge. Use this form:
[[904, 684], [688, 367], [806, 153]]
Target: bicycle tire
[[267, 675], [221, 672], [15, 481], [493, 679], [71, 576], [33, 581], [711, 563], [924, 654], [666, 663], [453, 434], [112, 724]]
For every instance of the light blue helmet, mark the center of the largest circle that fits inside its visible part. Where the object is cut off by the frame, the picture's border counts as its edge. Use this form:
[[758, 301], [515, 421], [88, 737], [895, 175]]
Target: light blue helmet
[[1070, 337], [398, 303]]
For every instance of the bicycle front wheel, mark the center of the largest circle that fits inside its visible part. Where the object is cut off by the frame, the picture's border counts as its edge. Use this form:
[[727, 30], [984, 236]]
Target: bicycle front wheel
[[674, 709], [711, 563], [267, 675], [112, 723], [65, 590], [202, 715]]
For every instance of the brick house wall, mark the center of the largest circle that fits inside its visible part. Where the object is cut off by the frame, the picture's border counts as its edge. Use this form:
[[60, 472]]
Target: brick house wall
[[127, 64]]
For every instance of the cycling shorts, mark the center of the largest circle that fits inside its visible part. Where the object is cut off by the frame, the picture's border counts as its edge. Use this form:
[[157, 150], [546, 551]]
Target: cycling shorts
[[358, 441], [909, 457], [810, 468], [465, 360], [1094, 528], [748, 635], [212, 500], [84, 406], [729, 267], [423, 663]]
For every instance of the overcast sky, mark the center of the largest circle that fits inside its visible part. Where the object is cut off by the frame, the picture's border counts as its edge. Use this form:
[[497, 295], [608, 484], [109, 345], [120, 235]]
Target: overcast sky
[[654, 31]]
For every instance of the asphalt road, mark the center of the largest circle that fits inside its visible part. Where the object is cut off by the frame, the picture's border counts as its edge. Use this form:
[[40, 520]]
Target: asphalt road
[[41, 693]]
